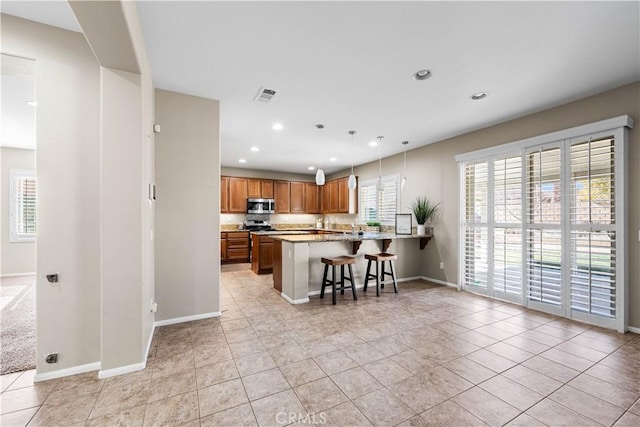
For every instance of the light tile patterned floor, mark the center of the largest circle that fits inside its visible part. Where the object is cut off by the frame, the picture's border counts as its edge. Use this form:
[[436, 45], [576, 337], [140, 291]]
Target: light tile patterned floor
[[428, 356]]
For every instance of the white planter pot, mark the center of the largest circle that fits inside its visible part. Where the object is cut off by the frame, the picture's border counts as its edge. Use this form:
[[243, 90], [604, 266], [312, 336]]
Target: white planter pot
[[421, 230]]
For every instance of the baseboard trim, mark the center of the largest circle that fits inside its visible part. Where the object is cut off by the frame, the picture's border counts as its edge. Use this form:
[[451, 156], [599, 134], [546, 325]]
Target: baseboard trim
[[633, 329], [108, 373], [149, 341], [294, 301], [187, 318], [74, 370], [439, 282], [18, 274]]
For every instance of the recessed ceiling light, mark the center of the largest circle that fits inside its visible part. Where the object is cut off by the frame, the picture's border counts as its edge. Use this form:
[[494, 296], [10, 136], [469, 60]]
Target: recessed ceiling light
[[333, 159], [242, 161], [277, 126], [479, 95], [255, 149], [373, 144], [311, 168], [422, 75]]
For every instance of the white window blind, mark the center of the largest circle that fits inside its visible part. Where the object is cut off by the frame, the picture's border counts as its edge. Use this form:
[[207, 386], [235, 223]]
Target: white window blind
[[23, 205], [507, 231], [377, 205], [476, 240], [542, 222], [544, 219], [593, 236]]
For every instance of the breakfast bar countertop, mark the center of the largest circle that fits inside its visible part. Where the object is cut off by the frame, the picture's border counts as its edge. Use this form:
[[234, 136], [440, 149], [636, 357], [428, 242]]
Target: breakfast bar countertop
[[340, 237]]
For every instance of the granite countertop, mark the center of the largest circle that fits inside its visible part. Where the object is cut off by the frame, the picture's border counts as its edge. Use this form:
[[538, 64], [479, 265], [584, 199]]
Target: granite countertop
[[296, 231], [342, 237]]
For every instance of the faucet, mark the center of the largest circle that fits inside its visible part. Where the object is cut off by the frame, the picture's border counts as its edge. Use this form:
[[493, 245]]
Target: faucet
[[353, 229]]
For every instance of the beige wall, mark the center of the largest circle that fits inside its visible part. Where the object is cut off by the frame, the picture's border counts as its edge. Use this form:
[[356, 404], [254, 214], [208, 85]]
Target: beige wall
[[17, 257], [255, 173], [433, 171], [68, 157], [187, 160], [126, 112]]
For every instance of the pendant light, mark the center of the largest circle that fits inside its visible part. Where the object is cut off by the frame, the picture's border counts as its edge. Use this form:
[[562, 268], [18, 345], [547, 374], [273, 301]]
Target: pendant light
[[320, 172], [352, 184], [379, 183], [404, 183]]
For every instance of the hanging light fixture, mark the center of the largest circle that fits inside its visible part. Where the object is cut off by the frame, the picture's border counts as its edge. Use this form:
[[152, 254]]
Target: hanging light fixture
[[404, 183], [351, 183], [320, 172], [379, 183]]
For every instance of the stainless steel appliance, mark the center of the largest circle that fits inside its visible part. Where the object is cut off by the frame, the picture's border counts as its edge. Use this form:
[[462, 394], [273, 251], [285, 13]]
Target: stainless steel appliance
[[258, 225], [261, 206]]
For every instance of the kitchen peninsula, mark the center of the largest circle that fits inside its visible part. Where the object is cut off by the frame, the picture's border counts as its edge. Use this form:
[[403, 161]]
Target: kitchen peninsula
[[297, 271]]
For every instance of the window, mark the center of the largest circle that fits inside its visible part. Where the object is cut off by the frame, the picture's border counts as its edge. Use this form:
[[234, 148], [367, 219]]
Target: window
[[542, 223], [382, 205], [23, 206]]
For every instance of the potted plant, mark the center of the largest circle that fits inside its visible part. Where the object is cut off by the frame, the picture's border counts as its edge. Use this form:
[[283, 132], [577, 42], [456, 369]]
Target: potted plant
[[424, 210], [373, 226]]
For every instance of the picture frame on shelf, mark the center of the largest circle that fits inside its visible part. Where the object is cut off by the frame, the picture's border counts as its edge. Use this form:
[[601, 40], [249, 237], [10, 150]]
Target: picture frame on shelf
[[403, 224]]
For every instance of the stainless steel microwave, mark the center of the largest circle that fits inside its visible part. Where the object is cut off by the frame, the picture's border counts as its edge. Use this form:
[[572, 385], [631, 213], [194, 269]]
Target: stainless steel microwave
[[261, 206]]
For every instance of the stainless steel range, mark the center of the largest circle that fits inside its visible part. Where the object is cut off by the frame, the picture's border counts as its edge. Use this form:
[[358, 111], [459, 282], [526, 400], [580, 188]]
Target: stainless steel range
[[258, 222]]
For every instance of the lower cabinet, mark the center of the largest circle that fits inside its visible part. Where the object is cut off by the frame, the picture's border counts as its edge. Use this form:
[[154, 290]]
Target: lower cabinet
[[234, 246], [261, 254]]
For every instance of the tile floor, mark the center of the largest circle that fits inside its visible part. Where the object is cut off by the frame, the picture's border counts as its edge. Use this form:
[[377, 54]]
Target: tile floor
[[427, 356]]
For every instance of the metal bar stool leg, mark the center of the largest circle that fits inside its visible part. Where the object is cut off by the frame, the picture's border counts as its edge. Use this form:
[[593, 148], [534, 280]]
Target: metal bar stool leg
[[333, 283], [377, 279], [342, 279], [393, 275], [366, 276], [382, 276], [353, 284], [324, 280]]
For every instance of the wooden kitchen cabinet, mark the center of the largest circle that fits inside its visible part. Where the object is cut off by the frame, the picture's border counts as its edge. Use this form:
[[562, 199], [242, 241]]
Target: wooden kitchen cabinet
[[223, 246], [224, 194], [261, 254], [343, 195], [238, 190], [277, 265], [254, 188], [260, 188], [312, 198], [333, 196], [297, 202], [237, 247], [266, 187], [282, 196]]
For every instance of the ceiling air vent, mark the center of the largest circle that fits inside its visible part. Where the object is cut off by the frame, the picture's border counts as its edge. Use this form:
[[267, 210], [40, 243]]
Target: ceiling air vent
[[265, 95]]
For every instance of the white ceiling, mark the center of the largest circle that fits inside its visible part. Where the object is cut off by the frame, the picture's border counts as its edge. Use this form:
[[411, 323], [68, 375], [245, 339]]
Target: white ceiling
[[349, 65]]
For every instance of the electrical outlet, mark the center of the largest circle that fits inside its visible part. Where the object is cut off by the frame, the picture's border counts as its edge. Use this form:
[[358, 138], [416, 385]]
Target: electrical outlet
[[441, 265]]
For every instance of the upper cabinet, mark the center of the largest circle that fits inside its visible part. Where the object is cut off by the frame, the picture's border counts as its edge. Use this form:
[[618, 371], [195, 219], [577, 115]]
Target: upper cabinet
[[282, 195], [254, 188], [238, 190], [224, 194], [260, 188], [291, 197], [312, 198], [266, 186], [297, 197]]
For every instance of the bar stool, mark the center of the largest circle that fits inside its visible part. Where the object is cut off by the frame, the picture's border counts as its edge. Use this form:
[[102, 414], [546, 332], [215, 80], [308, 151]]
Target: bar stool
[[334, 262], [380, 259]]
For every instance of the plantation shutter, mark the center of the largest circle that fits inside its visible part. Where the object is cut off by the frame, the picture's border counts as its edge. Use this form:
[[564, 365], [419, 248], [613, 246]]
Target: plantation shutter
[[476, 238], [507, 228], [388, 200], [593, 237], [544, 231], [368, 202], [23, 212], [379, 206]]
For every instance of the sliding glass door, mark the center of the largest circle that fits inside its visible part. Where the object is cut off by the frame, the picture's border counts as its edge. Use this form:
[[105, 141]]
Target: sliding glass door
[[540, 226]]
